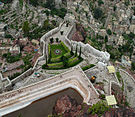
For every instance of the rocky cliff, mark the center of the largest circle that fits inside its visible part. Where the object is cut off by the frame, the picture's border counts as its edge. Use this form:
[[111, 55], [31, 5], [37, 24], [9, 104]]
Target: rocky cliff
[[68, 107]]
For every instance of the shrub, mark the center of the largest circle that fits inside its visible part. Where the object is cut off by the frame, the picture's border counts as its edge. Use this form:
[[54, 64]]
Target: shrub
[[99, 108], [51, 40], [88, 67], [57, 39], [118, 76], [102, 96]]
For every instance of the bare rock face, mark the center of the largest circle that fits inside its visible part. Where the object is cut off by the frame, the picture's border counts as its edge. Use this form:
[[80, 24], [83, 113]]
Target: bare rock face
[[120, 112], [77, 36], [67, 107], [80, 33]]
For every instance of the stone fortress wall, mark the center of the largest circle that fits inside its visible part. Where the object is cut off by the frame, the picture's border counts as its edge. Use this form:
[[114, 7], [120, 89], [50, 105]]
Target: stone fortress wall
[[74, 78], [87, 49], [5, 83], [22, 76]]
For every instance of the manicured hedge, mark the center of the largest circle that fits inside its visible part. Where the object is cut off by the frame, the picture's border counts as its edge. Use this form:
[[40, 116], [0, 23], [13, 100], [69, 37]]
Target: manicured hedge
[[58, 59], [71, 60], [68, 55], [88, 67], [49, 49], [54, 65], [66, 48], [73, 63]]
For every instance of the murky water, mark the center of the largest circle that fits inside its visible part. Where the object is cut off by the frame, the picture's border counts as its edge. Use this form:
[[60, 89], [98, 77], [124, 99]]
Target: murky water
[[43, 107]]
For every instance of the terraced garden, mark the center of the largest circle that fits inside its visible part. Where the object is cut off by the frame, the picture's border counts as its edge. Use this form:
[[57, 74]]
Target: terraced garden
[[60, 57]]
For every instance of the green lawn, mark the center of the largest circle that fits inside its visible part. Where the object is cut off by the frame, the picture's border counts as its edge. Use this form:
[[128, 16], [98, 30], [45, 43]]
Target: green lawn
[[60, 47]]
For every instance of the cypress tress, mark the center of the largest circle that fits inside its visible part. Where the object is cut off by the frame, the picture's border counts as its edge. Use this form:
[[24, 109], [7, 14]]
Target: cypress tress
[[76, 50], [49, 60], [71, 52], [46, 59], [80, 51]]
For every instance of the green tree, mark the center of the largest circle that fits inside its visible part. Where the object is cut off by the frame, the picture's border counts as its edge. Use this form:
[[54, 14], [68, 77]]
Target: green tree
[[57, 39], [71, 52], [80, 52], [127, 2], [6, 1], [109, 32], [50, 56], [114, 8], [51, 40], [106, 39], [76, 50], [133, 65], [98, 13], [61, 32], [46, 24], [100, 2], [99, 108], [65, 61], [67, 24], [34, 2], [47, 12], [50, 4], [26, 28], [46, 59]]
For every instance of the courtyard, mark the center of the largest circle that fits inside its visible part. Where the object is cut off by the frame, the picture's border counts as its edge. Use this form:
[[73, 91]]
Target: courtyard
[[60, 57]]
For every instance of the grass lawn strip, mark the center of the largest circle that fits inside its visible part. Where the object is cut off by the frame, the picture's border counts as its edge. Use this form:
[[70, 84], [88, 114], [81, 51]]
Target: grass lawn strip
[[55, 47]]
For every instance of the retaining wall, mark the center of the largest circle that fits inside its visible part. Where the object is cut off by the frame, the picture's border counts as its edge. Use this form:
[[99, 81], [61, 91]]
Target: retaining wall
[[22, 76]]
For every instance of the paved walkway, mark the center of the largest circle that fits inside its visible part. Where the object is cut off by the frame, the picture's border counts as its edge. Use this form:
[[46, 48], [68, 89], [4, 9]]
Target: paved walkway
[[129, 85], [102, 77]]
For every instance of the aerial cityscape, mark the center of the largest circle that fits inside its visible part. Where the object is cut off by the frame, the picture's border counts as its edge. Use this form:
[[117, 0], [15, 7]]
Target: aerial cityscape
[[67, 58]]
